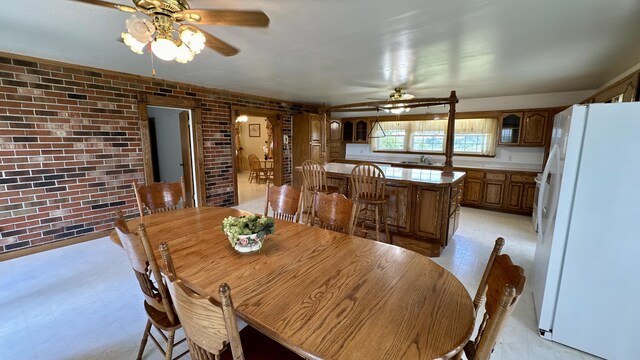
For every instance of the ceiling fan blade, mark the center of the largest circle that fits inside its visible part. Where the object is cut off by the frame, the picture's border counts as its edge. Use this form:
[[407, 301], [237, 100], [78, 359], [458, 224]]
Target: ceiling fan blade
[[213, 42], [378, 99], [226, 17], [120, 7]]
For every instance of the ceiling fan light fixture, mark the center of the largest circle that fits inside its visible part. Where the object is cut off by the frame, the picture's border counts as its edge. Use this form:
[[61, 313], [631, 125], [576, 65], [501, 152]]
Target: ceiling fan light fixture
[[395, 109], [184, 54], [133, 44], [195, 40], [164, 48]]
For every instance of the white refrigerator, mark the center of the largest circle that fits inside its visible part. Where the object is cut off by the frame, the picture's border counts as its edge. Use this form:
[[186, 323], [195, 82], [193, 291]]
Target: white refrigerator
[[586, 275]]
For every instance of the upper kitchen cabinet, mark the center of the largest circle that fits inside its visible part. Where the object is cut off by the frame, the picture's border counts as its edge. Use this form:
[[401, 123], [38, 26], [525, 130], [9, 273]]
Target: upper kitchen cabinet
[[523, 128], [355, 130], [510, 125], [362, 131], [347, 130], [534, 128]]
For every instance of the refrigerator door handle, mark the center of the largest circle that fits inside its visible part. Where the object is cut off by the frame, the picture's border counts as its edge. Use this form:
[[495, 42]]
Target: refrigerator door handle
[[553, 157]]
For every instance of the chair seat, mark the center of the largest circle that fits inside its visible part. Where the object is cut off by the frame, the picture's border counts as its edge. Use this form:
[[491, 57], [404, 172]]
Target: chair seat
[[331, 189], [159, 318], [258, 346], [373, 201]]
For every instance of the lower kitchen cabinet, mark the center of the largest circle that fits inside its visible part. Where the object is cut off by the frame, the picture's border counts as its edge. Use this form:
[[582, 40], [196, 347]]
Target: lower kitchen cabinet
[[398, 207], [509, 191], [427, 212], [493, 193], [473, 191]]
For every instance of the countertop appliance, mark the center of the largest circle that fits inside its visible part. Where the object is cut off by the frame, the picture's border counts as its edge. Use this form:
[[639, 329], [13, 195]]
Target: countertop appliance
[[586, 279]]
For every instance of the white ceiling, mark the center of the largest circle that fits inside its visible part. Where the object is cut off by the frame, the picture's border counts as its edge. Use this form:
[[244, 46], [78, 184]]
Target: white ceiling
[[339, 51]]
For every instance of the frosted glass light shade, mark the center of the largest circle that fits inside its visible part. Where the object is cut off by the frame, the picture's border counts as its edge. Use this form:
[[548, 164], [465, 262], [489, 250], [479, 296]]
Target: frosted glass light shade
[[184, 54], [194, 40], [133, 44], [164, 49]]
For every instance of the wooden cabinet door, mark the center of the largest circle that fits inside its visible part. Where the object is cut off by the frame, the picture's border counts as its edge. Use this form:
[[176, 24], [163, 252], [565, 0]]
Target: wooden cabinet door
[[398, 207], [493, 192], [335, 131], [529, 196], [347, 130], [510, 128], [534, 128], [428, 212], [472, 191], [362, 131], [315, 152], [316, 128], [514, 196]]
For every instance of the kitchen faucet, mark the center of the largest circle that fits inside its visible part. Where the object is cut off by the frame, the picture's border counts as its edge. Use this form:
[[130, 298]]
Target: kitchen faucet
[[424, 159]]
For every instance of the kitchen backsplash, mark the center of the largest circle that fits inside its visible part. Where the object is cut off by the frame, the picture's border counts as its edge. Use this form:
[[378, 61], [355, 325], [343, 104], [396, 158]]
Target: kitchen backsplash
[[517, 158]]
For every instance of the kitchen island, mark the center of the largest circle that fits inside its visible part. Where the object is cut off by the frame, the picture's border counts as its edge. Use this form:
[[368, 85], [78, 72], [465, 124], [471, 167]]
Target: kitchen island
[[423, 211]]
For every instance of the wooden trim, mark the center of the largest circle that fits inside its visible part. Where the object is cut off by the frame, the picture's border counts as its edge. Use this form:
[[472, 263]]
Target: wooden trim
[[52, 245], [275, 119], [146, 100], [451, 129], [627, 86]]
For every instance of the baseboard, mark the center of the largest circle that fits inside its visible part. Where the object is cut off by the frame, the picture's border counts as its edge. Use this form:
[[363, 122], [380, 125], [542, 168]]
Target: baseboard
[[52, 245]]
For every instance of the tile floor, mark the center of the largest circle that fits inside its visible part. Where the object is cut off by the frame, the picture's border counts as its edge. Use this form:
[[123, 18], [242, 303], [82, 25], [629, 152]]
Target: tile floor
[[82, 301]]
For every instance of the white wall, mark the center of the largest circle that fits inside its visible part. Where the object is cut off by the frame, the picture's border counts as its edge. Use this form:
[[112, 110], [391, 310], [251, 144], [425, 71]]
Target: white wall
[[252, 144], [167, 123]]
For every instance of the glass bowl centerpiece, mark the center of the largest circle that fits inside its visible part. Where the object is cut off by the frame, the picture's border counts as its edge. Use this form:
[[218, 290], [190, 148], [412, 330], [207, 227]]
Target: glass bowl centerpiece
[[246, 233]]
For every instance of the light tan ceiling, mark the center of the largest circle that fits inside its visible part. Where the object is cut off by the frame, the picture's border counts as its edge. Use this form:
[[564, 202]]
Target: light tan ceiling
[[340, 51]]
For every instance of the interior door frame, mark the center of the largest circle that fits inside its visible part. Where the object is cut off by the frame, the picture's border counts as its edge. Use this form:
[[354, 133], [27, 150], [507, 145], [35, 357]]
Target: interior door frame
[[275, 119], [146, 100]]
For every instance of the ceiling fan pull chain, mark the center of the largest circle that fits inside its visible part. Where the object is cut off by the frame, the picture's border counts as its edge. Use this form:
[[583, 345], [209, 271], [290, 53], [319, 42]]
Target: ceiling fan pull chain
[[153, 65]]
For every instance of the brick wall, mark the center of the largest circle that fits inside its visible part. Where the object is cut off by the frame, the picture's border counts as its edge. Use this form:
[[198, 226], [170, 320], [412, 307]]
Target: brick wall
[[70, 146]]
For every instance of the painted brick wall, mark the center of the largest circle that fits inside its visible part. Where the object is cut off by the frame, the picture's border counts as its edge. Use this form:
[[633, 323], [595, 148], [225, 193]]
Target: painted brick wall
[[70, 146]]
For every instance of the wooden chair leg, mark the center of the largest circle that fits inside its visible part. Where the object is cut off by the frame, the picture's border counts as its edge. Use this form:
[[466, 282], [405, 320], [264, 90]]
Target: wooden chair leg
[[145, 337], [377, 214], [384, 222], [169, 352]]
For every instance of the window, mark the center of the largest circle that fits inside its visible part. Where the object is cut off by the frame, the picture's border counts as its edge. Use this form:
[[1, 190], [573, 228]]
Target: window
[[429, 141], [393, 140], [472, 136]]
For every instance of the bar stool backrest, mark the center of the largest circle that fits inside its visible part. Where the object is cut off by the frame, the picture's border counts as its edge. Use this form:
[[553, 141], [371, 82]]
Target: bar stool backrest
[[314, 176], [368, 182]]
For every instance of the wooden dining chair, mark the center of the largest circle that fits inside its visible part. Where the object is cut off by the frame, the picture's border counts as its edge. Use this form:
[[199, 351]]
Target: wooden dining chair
[[160, 313], [284, 202], [211, 326], [160, 196], [333, 212], [314, 179], [502, 284], [257, 172], [369, 192]]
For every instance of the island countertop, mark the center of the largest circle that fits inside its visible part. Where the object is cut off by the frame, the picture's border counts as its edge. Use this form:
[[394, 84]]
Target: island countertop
[[403, 175]]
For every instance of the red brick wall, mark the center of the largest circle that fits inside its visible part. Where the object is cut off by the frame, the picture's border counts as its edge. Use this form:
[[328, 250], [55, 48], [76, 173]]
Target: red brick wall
[[70, 146]]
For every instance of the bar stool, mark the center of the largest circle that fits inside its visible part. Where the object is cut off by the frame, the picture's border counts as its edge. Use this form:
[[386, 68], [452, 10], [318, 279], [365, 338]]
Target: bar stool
[[314, 180], [369, 192]]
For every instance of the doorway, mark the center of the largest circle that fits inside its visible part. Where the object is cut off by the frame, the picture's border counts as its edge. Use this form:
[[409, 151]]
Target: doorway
[[171, 134], [256, 132], [171, 142]]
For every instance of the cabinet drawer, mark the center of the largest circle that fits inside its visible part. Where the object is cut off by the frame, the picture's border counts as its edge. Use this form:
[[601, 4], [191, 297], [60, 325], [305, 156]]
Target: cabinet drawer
[[475, 174], [523, 178], [496, 176], [456, 188]]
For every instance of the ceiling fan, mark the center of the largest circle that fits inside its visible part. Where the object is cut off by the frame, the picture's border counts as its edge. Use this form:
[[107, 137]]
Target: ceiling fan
[[396, 95], [169, 16]]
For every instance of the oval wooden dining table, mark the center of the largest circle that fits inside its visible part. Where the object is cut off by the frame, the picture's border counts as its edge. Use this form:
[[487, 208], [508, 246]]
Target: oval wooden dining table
[[324, 295]]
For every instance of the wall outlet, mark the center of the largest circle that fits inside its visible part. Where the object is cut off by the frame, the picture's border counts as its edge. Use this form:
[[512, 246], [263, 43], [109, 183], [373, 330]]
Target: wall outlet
[[510, 157]]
